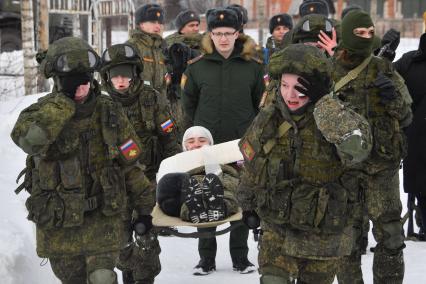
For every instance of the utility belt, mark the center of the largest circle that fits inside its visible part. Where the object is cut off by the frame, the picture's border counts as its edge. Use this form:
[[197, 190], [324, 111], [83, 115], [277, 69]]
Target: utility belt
[[301, 206]]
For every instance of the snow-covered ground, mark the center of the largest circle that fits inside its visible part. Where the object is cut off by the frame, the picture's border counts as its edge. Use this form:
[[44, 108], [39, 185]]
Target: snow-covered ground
[[20, 264]]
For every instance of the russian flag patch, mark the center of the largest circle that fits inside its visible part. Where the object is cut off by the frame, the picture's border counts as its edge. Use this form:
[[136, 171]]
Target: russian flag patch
[[130, 150], [167, 126]]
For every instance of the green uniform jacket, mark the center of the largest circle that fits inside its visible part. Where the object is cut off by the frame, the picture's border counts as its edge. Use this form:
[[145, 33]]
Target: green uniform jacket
[[387, 120], [153, 123], [84, 172], [291, 178], [151, 50], [223, 95]]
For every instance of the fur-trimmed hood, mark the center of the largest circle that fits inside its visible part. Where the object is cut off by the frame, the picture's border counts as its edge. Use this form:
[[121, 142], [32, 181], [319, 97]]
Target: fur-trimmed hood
[[244, 42]]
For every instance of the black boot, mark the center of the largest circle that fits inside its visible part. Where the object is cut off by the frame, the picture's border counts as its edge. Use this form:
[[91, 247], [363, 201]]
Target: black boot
[[213, 197], [206, 266]]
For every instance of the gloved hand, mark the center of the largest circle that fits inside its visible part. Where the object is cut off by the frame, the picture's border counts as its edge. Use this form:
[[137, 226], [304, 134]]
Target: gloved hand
[[392, 37], [251, 219], [387, 90], [315, 87], [142, 225]]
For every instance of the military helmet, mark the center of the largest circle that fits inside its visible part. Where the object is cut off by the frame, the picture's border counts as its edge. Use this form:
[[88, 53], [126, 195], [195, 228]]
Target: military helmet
[[68, 55], [309, 27], [120, 54], [299, 59]]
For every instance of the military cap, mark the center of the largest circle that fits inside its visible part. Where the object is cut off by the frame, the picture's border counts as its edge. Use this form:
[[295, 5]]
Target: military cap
[[342, 126], [149, 12], [308, 28], [299, 59], [222, 18], [68, 55], [280, 20], [313, 7], [185, 17], [241, 13]]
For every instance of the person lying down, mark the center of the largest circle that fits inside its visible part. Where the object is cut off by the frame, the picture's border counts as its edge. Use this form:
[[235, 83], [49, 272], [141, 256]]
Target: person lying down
[[204, 194]]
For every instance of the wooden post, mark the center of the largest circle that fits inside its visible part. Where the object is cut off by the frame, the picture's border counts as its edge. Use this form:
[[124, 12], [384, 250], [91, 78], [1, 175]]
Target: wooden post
[[108, 25], [261, 19], [27, 28], [43, 36]]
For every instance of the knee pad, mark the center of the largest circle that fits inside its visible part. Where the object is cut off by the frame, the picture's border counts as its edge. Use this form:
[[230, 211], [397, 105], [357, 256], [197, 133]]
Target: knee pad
[[102, 276], [274, 279], [393, 235]]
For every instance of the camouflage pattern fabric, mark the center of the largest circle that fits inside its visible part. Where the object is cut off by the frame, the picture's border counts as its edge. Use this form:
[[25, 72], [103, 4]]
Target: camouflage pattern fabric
[[191, 40], [274, 262], [378, 175], [274, 45], [76, 269]]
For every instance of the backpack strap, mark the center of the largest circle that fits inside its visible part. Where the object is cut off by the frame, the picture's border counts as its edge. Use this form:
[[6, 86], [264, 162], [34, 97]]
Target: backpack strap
[[352, 74]]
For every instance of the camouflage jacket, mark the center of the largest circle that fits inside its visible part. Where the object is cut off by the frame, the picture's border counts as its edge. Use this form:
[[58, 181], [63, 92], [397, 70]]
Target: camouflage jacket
[[151, 48], [387, 120], [273, 45], [229, 179], [191, 40], [84, 174], [291, 178], [153, 123]]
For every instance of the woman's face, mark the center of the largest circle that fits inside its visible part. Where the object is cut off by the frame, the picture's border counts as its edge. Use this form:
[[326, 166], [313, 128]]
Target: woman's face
[[196, 143], [292, 98]]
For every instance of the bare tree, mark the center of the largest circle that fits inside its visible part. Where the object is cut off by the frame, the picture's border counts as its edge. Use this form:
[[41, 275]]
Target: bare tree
[[27, 27]]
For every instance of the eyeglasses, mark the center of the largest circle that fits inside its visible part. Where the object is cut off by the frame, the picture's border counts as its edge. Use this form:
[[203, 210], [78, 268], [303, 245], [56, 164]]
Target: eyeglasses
[[118, 51], [220, 34], [72, 61]]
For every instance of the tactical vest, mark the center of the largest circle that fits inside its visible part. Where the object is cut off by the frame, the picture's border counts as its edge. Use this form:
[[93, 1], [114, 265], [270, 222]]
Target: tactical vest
[[389, 145]]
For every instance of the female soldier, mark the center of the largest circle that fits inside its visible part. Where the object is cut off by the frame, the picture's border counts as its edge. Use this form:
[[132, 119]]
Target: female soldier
[[296, 152]]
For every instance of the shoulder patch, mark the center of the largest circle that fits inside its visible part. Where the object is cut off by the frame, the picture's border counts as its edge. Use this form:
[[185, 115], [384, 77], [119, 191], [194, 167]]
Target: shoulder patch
[[195, 59], [167, 126], [130, 150], [247, 150]]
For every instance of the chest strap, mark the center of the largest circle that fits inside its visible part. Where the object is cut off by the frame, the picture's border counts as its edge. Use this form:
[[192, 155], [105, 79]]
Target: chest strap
[[352, 74]]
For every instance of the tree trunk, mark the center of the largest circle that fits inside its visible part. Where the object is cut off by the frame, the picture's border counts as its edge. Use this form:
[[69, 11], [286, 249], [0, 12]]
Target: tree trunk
[[27, 26], [373, 10], [43, 36]]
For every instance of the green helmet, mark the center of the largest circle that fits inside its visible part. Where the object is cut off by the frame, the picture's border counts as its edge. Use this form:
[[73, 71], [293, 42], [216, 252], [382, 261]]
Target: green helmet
[[308, 28], [68, 55], [120, 54], [299, 59]]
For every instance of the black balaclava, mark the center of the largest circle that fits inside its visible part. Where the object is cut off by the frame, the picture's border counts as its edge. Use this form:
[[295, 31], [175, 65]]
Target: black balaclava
[[70, 83], [354, 44]]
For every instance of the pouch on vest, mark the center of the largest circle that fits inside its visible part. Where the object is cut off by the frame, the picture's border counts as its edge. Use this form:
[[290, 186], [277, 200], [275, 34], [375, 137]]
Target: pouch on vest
[[389, 141], [274, 205], [335, 218], [308, 206], [113, 190], [74, 207], [48, 173], [46, 209], [71, 173]]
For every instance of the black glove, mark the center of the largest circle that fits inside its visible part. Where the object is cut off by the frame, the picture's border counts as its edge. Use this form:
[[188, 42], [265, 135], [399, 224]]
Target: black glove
[[169, 189], [179, 54], [392, 37], [387, 90], [315, 87], [142, 224], [251, 219]]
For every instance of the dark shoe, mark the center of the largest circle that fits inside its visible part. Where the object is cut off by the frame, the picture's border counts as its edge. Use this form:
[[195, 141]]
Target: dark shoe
[[243, 265], [206, 266], [213, 197], [193, 198]]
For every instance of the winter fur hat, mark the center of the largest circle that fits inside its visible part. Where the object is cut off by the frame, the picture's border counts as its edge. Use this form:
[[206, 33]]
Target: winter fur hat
[[217, 18], [196, 131], [280, 20], [185, 17], [149, 12], [313, 7]]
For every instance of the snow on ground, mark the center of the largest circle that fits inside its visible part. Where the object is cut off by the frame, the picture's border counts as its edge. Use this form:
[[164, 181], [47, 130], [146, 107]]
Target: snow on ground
[[19, 263]]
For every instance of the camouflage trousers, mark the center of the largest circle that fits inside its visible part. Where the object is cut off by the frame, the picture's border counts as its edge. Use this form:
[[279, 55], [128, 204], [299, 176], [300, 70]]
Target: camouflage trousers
[[141, 259], [91, 269], [382, 200], [277, 268]]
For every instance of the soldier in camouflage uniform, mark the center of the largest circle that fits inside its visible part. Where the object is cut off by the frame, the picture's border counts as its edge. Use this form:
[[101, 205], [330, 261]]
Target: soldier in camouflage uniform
[[279, 26], [376, 91], [151, 46], [187, 24], [120, 71], [82, 171], [294, 163]]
